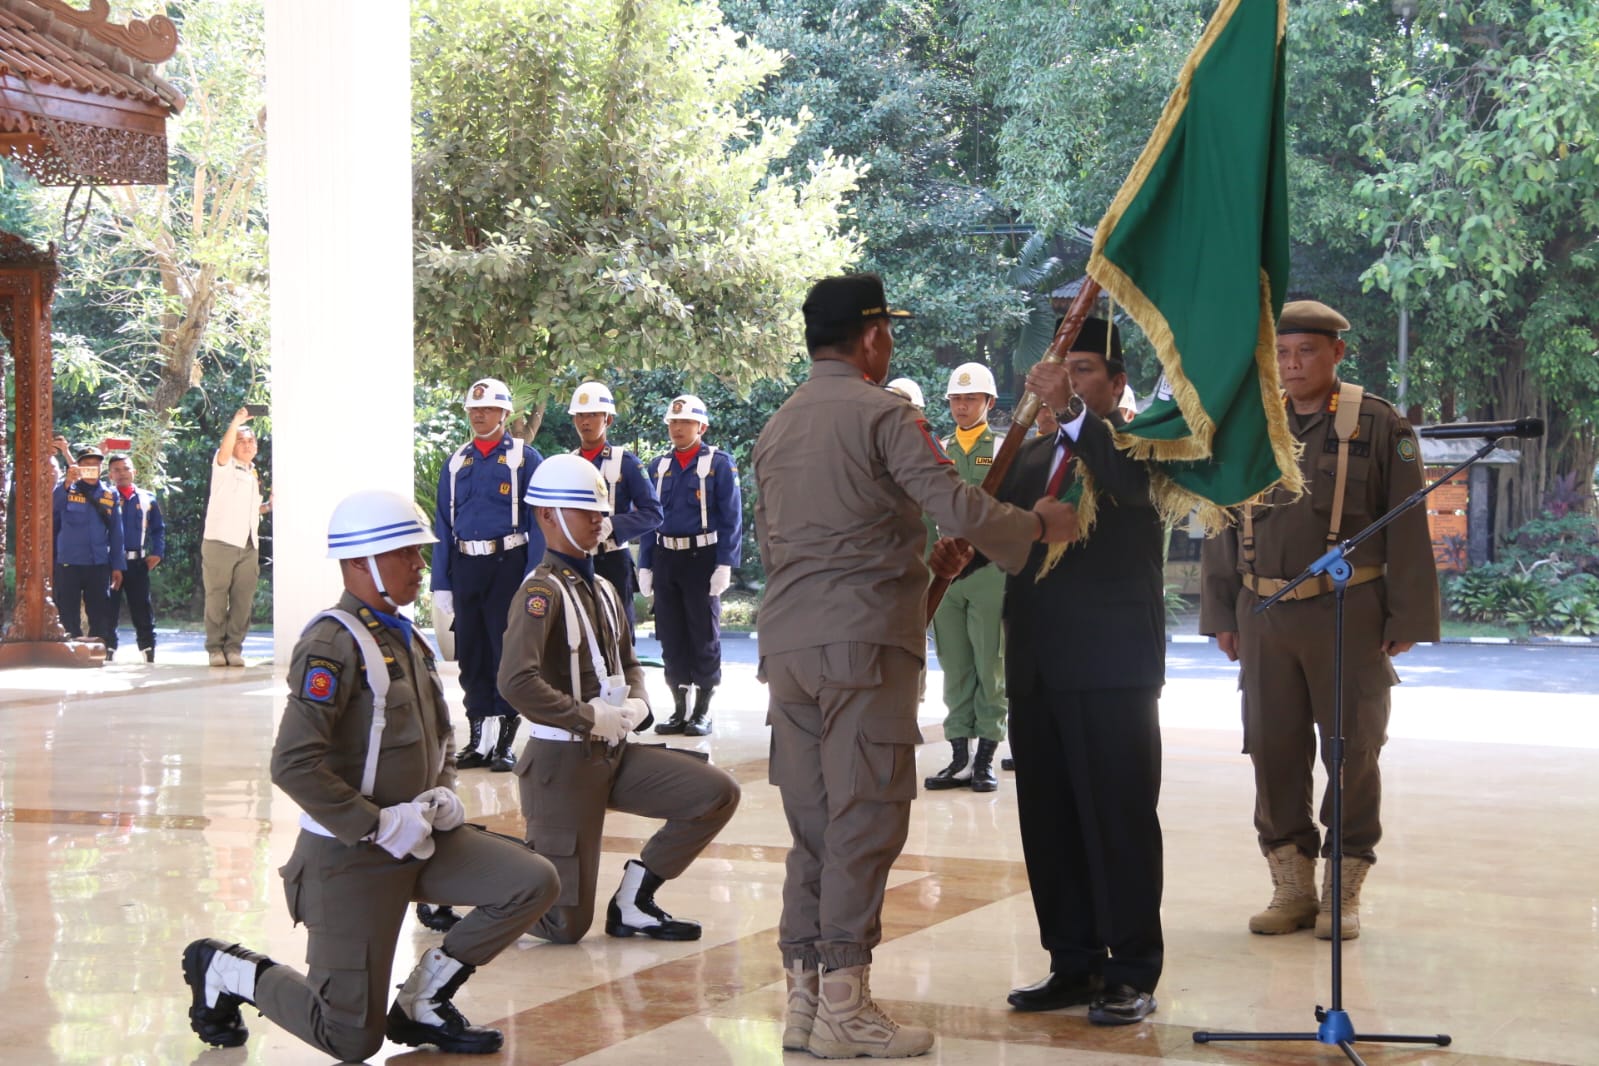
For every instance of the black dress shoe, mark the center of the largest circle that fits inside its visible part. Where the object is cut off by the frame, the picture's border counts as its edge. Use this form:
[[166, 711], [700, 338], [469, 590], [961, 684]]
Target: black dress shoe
[[1121, 1005], [1007, 763], [1056, 991]]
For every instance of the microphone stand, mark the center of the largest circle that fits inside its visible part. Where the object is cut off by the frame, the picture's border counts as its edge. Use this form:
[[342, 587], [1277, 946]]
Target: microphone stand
[[1335, 1024]]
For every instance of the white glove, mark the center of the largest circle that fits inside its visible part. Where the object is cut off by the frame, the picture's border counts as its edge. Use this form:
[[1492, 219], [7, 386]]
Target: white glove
[[721, 577], [646, 582], [605, 530], [443, 603], [447, 810], [607, 723], [405, 829], [634, 711]]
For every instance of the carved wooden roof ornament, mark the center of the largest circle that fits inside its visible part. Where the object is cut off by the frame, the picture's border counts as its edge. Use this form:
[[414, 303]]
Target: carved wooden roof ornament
[[80, 99]]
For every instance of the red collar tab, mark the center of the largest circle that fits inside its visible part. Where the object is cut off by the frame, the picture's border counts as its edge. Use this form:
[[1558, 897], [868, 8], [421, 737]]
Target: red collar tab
[[685, 458], [486, 447], [591, 454]]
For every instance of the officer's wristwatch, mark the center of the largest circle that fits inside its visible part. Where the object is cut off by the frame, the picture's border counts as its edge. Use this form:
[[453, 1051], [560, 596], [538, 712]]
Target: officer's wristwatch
[[1074, 408]]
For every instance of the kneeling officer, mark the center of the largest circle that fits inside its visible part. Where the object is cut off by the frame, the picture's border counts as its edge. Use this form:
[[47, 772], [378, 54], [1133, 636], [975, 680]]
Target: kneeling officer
[[375, 834], [569, 668]]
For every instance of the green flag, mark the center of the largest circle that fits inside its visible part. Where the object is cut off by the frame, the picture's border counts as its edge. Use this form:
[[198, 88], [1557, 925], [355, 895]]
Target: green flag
[[1195, 247]]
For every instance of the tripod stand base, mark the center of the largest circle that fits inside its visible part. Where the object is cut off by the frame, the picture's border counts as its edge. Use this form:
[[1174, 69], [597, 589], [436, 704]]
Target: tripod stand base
[[1336, 1029]]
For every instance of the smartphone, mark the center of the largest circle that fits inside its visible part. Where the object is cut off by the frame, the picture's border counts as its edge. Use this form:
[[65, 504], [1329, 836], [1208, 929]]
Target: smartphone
[[256, 410]]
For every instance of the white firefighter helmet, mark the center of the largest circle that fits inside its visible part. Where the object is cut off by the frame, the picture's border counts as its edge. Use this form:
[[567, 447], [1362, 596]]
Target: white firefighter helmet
[[971, 378], [908, 389], [591, 397], [687, 406], [489, 392], [374, 521], [568, 481]]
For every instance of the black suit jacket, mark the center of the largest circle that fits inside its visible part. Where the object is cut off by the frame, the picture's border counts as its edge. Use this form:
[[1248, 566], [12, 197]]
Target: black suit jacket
[[1098, 619]]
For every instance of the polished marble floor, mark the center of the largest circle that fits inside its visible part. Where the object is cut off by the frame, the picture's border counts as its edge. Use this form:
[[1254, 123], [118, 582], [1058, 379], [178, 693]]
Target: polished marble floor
[[136, 814]]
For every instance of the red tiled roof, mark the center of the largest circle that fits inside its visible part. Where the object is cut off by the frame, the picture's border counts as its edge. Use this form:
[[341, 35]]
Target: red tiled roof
[[38, 48]]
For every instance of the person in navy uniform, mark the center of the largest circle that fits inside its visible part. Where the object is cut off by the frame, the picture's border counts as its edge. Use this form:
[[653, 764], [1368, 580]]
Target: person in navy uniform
[[688, 562], [634, 509], [486, 537], [144, 538], [89, 553]]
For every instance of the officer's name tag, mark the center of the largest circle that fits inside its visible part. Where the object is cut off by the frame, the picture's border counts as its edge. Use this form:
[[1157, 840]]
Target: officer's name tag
[[984, 460]]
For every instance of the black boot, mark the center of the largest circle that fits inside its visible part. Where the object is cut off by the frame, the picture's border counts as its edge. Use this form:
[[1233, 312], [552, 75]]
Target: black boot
[[221, 977], [699, 724], [503, 761], [955, 775], [473, 758], [983, 779], [439, 919], [423, 1014], [633, 908], [679, 711]]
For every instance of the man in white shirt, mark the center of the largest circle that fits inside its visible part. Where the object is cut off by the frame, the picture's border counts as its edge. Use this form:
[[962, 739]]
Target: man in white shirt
[[230, 553]]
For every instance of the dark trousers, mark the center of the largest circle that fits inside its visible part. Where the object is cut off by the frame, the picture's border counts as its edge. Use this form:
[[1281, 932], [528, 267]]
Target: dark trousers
[[617, 568], [484, 586], [1087, 785], [688, 619], [86, 588], [136, 589]]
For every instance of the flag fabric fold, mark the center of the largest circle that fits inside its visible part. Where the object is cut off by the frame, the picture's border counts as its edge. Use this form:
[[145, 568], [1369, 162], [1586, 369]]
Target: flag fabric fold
[[1195, 248]]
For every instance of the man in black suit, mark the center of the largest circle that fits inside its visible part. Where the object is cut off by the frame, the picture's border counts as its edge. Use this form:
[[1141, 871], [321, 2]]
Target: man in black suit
[[1085, 662]]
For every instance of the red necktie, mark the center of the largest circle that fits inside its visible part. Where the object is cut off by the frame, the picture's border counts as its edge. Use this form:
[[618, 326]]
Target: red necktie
[[1058, 478]]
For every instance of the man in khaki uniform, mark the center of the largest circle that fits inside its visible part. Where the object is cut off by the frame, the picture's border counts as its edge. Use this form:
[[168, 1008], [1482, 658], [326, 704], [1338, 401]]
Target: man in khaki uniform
[[578, 761], [844, 471], [967, 630], [365, 749], [1360, 459]]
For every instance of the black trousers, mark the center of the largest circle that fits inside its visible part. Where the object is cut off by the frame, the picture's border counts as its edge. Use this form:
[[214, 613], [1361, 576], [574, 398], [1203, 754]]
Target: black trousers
[[86, 588], [1087, 786], [136, 590], [617, 568], [688, 619], [484, 586]]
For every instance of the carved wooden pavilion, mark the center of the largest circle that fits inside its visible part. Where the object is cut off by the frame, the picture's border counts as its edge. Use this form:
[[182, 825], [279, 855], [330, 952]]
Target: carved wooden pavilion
[[80, 104]]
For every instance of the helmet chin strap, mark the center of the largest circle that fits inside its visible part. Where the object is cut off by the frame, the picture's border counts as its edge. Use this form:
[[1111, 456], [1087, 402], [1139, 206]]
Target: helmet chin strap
[[560, 517], [496, 433], [377, 579]]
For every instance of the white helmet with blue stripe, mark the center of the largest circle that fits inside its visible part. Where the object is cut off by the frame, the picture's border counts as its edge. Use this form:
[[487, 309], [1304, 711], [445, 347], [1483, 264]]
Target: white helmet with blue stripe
[[570, 482], [591, 397], [687, 406], [372, 522], [489, 392]]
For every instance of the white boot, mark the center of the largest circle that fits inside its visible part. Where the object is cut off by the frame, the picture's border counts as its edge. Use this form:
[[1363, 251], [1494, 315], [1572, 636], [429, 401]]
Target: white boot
[[220, 977], [423, 1014], [633, 909]]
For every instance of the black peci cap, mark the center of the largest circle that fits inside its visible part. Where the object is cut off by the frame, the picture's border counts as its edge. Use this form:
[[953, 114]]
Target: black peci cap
[[846, 299]]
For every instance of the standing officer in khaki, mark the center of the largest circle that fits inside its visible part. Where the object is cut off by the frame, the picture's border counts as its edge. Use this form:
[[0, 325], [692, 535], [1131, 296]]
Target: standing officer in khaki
[[365, 748], [569, 668], [844, 471], [967, 630], [230, 558], [1360, 459]]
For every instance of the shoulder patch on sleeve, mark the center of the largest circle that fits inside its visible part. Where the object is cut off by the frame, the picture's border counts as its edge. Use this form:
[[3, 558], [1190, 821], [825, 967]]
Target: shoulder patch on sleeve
[[1406, 448], [321, 679], [539, 595], [934, 443]]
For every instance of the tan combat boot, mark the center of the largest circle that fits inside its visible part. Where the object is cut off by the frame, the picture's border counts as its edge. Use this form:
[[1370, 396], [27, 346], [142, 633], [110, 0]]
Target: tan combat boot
[[1354, 873], [802, 999], [850, 1024], [1293, 900]]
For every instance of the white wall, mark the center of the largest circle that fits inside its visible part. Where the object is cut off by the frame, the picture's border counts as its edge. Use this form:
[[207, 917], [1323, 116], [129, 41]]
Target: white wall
[[339, 190]]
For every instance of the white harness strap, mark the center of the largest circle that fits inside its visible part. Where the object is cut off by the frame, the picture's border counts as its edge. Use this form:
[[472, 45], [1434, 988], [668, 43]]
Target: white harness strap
[[702, 467], [578, 629], [377, 678], [611, 471], [513, 460]]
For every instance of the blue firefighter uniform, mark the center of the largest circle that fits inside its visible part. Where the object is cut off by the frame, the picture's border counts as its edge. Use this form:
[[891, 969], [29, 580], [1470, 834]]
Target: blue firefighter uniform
[[486, 537], [701, 529], [88, 533], [144, 534], [634, 512]]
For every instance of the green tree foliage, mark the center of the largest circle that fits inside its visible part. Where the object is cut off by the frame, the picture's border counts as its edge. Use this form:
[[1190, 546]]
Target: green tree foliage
[[591, 195]]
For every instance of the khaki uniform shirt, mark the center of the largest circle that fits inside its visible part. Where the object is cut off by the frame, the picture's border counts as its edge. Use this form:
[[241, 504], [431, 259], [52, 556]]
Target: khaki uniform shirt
[[536, 665], [233, 510], [843, 473], [1384, 468], [320, 754]]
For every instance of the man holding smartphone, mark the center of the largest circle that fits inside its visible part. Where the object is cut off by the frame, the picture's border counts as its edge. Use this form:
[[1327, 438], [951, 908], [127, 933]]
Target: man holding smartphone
[[230, 552]]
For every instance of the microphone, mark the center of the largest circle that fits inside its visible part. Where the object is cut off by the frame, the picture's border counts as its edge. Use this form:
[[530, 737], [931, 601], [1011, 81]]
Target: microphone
[[1524, 428]]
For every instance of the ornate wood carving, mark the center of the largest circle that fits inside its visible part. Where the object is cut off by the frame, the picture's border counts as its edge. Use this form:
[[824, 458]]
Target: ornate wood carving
[[152, 40]]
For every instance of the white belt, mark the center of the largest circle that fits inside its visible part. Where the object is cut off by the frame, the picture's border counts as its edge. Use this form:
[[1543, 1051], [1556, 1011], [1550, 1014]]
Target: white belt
[[491, 547], [549, 732], [136, 555], [311, 825], [704, 540]]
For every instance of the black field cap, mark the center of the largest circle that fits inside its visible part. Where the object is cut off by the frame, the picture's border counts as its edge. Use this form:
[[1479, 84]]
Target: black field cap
[[850, 298], [1310, 316]]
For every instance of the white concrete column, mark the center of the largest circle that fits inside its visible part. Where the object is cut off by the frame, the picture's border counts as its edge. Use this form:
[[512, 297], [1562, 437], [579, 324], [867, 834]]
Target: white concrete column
[[339, 196]]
